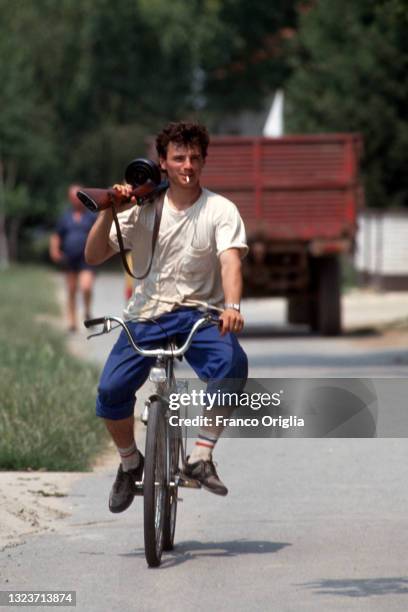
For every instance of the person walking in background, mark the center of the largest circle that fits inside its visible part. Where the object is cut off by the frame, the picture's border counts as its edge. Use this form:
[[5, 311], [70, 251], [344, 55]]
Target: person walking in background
[[67, 245]]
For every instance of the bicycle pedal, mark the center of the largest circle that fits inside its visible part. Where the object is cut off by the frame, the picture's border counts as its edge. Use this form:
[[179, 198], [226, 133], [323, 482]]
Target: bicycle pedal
[[189, 483]]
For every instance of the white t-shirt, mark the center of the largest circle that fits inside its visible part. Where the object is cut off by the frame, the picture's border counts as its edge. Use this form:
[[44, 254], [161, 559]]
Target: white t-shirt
[[185, 269]]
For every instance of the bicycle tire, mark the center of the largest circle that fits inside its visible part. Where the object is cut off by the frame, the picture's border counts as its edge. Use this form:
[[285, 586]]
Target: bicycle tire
[[155, 486], [170, 515]]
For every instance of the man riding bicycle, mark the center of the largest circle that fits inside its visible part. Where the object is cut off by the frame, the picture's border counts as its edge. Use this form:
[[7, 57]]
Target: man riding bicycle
[[196, 265]]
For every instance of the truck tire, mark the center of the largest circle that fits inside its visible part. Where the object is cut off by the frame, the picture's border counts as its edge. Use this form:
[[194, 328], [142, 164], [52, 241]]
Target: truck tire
[[299, 310], [328, 295]]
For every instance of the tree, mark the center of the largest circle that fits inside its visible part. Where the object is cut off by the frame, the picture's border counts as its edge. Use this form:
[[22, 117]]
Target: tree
[[349, 63], [84, 83], [242, 52], [27, 145]]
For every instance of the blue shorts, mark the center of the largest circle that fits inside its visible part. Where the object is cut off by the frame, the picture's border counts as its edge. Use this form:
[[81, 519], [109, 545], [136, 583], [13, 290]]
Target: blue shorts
[[72, 263], [213, 358]]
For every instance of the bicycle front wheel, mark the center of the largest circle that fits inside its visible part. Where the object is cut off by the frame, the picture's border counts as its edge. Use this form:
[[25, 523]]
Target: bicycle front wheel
[[171, 499], [155, 486]]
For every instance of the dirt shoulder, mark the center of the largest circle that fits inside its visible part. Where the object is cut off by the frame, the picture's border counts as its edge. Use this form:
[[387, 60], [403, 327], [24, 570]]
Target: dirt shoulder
[[32, 502], [36, 502]]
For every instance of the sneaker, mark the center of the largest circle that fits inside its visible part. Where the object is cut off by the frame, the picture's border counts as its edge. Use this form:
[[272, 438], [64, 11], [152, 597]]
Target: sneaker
[[206, 474], [124, 489]]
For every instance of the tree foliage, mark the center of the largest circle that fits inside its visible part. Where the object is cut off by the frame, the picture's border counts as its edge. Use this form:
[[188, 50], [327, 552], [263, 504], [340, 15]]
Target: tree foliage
[[350, 61], [242, 52], [84, 83]]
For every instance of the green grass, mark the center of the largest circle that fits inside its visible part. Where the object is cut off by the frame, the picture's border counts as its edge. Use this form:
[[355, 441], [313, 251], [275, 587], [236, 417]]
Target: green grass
[[47, 396]]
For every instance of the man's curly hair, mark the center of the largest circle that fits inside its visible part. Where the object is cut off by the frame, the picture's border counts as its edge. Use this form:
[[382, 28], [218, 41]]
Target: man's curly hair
[[188, 134]]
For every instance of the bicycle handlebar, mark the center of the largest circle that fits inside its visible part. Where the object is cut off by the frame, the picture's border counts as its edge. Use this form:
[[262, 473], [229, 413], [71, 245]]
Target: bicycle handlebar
[[92, 322], [160, 352]]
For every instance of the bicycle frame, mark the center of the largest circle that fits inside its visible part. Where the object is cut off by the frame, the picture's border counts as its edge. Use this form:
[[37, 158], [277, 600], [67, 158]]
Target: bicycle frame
[[162, 375]]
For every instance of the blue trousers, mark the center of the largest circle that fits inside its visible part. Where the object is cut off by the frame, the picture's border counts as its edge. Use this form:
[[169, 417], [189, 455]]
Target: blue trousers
[[213, 358]]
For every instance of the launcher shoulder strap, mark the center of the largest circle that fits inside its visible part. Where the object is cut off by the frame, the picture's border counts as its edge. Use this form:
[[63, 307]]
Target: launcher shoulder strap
[[156, 227]]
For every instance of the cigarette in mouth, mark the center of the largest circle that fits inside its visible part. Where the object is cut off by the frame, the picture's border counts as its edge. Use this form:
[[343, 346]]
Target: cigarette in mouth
[[187, 179]]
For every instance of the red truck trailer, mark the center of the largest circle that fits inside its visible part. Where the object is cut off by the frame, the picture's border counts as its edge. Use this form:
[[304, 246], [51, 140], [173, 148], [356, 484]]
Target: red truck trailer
[[299, 197]]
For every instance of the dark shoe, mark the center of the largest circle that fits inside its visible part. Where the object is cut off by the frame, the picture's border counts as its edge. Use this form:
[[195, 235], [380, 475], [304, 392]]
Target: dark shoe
[[206, 474], [124, 488]]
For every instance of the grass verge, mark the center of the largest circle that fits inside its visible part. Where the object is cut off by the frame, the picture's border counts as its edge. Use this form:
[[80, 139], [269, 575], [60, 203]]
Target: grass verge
[[47, 396]]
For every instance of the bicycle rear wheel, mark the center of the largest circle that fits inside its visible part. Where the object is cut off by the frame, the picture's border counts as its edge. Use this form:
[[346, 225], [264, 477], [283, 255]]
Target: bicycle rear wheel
[[171, 499], [155, 486]]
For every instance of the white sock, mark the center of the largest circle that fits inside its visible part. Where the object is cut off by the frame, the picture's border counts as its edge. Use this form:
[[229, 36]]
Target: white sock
[[129, 457], [203, 447]]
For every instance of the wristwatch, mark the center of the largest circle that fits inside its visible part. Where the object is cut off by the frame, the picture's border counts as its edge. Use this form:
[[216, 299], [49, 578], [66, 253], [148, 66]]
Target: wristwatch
[[233, 306]]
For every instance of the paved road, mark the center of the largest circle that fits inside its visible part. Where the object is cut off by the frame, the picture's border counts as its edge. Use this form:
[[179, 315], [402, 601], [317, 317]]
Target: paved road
[[309, 524]]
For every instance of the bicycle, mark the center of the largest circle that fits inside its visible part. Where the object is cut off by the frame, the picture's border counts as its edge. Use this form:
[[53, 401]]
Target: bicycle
[[164, 443]]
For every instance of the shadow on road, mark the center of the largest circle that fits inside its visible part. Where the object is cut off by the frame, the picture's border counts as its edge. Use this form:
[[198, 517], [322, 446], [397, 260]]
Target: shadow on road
[[365, 587], [190, 550]]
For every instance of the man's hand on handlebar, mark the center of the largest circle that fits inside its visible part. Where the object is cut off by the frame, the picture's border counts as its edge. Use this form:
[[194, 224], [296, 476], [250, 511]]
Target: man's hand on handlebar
[[231, 321]]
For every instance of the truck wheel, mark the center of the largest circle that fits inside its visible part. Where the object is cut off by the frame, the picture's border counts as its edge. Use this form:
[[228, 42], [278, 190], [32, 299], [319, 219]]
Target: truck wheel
[[328, 298], [298, 310]]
